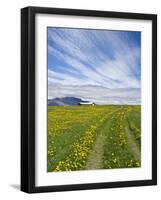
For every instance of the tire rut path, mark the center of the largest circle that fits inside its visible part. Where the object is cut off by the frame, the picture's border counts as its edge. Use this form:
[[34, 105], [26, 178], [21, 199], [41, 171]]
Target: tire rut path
[[95, 158]]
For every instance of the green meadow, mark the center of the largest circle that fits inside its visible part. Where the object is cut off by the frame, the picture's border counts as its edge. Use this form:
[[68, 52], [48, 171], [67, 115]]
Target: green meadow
[[93, 137]]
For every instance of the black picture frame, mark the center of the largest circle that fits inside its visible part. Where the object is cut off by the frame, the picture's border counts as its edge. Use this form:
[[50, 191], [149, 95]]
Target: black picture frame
[[28, 98]]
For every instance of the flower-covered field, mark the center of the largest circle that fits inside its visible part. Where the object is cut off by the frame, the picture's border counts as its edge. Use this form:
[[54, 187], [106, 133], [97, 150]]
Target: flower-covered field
[[93, 137]]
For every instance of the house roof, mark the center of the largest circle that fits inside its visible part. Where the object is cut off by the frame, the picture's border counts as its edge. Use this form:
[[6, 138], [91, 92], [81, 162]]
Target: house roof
[[85, 103]]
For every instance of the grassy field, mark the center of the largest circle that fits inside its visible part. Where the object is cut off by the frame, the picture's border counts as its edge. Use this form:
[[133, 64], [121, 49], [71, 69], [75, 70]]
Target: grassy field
[[93, 137]]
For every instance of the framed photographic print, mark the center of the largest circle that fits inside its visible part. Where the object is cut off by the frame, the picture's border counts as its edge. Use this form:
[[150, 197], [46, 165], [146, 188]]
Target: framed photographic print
[[88, 99]]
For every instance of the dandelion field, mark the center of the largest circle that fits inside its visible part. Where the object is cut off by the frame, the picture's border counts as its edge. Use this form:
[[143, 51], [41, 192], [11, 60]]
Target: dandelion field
[[93, 137]]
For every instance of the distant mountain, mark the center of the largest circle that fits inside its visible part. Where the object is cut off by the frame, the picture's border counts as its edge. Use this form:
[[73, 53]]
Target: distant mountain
[[65, 101]]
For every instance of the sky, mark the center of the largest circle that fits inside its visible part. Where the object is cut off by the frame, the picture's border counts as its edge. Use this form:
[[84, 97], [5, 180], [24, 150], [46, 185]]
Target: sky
[[102, 66]]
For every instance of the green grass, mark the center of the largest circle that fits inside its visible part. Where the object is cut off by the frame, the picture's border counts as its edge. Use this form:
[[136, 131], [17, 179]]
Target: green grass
[[119, 140], [79, 134], [134, 120]]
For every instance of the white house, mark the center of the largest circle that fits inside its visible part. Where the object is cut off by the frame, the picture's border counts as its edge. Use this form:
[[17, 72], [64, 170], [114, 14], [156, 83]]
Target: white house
[[87, 103]]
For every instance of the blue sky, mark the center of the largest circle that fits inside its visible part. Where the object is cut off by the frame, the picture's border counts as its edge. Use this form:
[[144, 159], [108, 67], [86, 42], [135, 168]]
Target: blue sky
[[99, 65]]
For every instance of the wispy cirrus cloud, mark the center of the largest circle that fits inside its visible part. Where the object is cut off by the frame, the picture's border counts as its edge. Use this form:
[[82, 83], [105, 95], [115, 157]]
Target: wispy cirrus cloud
[[108, 60]]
